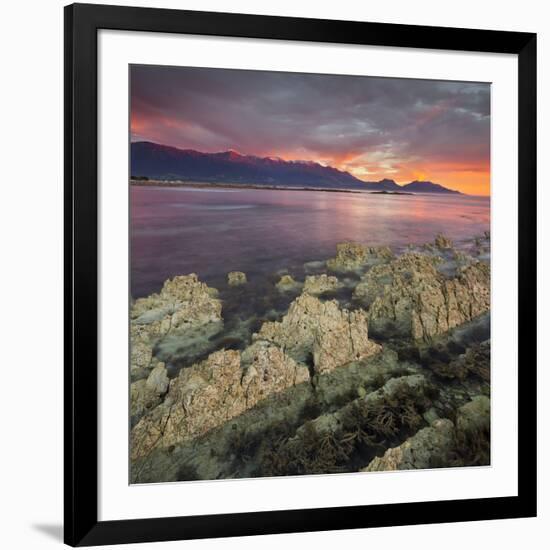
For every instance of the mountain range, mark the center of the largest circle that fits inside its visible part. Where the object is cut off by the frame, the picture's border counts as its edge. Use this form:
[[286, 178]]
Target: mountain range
[[156, 161]]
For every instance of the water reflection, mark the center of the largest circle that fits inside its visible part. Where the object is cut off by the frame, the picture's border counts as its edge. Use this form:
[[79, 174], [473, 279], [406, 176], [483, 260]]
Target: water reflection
[[177, 231]]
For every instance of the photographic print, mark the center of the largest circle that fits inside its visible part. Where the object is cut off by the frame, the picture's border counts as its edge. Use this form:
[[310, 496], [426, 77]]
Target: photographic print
[[309, 273]]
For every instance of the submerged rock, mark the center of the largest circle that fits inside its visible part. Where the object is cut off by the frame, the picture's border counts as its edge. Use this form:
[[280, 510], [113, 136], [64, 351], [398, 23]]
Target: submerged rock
[[320, 331], [236, 278], [214, 391], [350, 255], [443, 242], [287, 283], [410, 297], [429, 448], [317, 284], [183, 305]]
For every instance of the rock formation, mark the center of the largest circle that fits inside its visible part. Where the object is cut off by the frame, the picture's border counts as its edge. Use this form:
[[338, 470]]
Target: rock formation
[[350, 255], [147, 392], [443, 242], [212, 392], [317, 284], [184, 304], [428, 448], [236, 278], [409, 297], [287, 283], [268, 370], [320, 331]]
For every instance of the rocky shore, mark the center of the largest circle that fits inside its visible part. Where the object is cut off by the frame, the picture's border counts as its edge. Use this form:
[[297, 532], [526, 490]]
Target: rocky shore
[[376, 360]]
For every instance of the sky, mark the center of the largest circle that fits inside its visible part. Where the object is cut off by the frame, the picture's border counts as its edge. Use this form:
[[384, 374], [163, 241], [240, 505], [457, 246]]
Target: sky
[[372, 127]]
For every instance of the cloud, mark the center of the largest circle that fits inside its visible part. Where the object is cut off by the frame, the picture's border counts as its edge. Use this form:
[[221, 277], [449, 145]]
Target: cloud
[[367, 125]]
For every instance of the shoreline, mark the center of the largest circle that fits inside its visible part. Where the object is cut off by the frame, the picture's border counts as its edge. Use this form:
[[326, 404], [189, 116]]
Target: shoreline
[[208, 185], [287, 375], [225, 185]]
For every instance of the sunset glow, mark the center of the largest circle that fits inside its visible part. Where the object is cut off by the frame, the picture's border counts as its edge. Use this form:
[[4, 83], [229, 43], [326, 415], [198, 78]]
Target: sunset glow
[[372, 127]]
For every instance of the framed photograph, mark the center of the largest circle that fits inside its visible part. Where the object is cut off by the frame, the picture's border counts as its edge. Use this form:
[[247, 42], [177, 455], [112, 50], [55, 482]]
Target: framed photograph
[[300, 262]]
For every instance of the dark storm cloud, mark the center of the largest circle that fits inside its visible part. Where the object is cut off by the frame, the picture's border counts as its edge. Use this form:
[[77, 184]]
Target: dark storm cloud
[[359, 123]]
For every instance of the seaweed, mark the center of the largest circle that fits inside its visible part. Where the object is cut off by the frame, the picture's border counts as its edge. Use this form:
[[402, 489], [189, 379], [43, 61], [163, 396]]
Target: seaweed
[[364, 428], [473, 448], [310, 453]]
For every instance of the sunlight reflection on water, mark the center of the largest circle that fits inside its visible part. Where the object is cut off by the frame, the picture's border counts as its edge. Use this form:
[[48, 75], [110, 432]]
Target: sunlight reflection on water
[[211, 232]]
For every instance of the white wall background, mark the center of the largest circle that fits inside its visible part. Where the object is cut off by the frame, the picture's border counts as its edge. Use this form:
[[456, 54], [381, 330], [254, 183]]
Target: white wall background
[[31, 102]]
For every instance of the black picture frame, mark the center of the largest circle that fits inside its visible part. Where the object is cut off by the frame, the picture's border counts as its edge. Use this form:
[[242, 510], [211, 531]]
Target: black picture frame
[[82, 22]]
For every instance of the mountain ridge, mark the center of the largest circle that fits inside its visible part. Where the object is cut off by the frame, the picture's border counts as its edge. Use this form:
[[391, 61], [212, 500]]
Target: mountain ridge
[[164, 162]]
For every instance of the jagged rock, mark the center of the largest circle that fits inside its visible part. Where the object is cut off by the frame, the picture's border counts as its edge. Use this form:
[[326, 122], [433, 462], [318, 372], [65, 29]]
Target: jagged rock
[[317, 284], [146, 393], [409, 297], [311, 328], [350, 255], [340, 339], [236, 278], [443, 242], [236, 448], [428, 448], [212, 392], [286, 283], [184, 304], [268, 370]]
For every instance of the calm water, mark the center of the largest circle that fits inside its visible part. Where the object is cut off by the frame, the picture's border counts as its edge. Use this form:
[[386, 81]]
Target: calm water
[[213, 231]]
